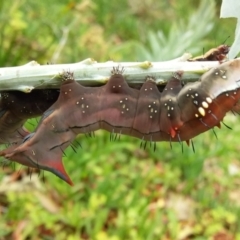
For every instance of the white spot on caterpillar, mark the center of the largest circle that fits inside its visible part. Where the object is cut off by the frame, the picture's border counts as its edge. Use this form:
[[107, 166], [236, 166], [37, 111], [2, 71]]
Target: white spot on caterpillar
[[224, 76], [195, 102], [113, 86], [234, 93], [120, 101], [196, 94], [77, 103], [196, 115], [83, 105], [145, 89], [209, 100], [122, 112], [170, 100], [126, 99], [227, 95], [119, 86], [87, 106], [151, 89], [127, 109], [201, 111], [149, 106], [65, 92], [155, 111], [83, 111], [70, 90], [150, 116], [123, 106], [33, 153], [216, 73], [169, 115], [151, 110], [172, 108], [171, 88], [154, 102], [82, 98], [205, 104]]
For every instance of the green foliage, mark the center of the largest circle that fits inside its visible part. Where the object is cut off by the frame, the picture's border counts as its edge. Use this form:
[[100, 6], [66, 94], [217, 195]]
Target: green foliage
[[121, 191], [182, 36]]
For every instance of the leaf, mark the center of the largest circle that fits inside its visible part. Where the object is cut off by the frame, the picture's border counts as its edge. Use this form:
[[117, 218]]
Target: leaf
[[231, 8]]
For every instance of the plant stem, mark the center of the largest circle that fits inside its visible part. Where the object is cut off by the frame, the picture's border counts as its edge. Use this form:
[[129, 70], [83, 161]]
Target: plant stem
[[90, 73]]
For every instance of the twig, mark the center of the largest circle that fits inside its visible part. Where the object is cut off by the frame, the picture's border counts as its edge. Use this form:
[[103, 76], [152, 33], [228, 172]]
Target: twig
[[90, 73]]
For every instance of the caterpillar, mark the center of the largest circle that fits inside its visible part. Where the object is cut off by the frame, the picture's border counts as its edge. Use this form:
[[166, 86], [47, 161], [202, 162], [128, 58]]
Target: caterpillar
[[16, 107], [215, 54], [177, 114]]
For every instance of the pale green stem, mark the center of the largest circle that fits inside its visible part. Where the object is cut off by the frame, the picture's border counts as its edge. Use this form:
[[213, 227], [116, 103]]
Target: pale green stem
[[90, 73]]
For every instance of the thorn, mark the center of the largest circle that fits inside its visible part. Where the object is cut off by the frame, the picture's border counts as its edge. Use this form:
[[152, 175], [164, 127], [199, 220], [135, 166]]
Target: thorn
[[29, 122], [226, 125], [73, 148], [170, 142], [145, 144], [78, 143], [63, 152], [43, 177], [141, 144], [180, 141], [218, 125], [155, 146], [111, 135], [193, 148], [89, 134], [235, 113], [119, 135], [39, 173], [115, 137], [214, 133]]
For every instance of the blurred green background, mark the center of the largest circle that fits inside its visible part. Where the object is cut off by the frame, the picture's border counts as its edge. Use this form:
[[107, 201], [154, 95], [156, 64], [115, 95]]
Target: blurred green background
[[121, 191]]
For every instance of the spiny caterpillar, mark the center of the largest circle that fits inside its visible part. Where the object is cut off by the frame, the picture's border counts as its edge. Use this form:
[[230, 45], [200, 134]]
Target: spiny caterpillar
[[177, 114]]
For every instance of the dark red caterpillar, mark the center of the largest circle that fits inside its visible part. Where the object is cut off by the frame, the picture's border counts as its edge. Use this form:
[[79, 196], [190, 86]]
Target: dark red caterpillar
[[16, 107], [215, 54], [176, 114]]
